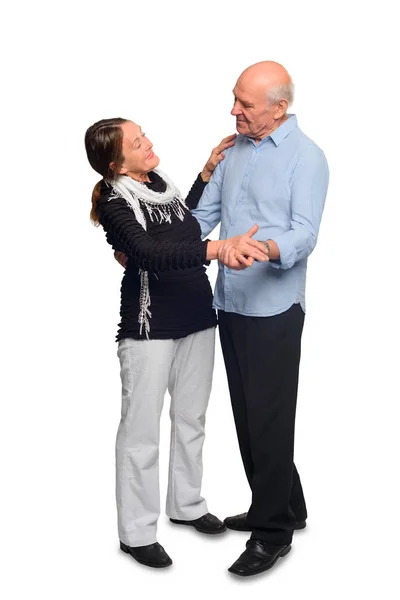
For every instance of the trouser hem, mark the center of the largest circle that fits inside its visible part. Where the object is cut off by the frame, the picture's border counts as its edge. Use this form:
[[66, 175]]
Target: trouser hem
[[271, 537], [188, 515], [139, 539]]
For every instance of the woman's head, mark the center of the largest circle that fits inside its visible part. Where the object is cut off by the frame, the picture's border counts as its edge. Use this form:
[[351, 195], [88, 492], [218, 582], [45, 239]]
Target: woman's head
[[103, 142], [139, 158], [119, 147]]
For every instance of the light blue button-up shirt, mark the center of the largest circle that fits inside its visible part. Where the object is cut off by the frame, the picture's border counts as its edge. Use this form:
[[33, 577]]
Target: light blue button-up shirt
[[280, 184]]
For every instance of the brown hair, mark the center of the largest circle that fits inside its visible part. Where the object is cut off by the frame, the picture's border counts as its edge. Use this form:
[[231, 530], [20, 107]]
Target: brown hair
[[103, 143]]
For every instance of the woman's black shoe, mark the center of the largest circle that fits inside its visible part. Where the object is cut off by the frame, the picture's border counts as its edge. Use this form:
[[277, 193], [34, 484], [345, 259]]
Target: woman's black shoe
[[208, 523], [152, 555]]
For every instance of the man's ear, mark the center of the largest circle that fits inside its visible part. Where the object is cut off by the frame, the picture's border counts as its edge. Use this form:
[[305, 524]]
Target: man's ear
[[281, 108]]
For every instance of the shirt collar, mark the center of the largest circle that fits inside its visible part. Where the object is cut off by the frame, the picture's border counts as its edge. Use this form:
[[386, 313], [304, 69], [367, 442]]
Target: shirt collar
[[283, 130]]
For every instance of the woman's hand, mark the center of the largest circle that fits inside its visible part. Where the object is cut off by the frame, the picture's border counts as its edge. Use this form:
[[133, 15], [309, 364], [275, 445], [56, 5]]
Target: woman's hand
[[121, 258], [216, 156], [241, 251]]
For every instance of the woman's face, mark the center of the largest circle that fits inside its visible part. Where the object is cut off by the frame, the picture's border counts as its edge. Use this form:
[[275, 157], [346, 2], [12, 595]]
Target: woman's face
[[137, 150]]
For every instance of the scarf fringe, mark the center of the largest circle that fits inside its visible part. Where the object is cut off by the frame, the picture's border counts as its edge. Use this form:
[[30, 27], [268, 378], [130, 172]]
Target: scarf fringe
[[163, 213], [144, 303]]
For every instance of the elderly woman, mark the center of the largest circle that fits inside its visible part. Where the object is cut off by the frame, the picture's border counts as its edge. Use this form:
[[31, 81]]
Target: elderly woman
[[166, 333]]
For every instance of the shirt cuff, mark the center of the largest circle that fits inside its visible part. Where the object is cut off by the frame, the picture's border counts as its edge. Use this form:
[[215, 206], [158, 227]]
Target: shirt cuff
[[201, 181], [206, 262], [287, 253]]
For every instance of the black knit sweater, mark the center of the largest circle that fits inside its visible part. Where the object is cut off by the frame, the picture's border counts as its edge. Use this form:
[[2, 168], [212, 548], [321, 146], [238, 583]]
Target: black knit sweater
[[174, 256]]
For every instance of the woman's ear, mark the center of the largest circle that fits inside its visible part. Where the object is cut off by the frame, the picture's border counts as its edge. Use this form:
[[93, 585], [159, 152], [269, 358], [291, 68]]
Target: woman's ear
[[122, 170]]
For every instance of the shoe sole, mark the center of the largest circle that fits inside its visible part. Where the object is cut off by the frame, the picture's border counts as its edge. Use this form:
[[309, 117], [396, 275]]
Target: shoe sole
[[258, 571], [143, 562], [233, 528], [176, 522]]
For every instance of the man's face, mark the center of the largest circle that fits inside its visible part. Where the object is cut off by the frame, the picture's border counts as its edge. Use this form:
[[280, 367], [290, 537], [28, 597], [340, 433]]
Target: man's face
[[137, 150], [253, 115]]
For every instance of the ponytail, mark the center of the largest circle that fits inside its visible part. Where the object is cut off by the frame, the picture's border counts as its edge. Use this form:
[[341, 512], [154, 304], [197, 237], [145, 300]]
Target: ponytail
[[95, 197]]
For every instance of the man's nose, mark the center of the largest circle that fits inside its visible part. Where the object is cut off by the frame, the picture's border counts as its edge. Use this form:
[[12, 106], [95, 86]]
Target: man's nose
[[236, 110]]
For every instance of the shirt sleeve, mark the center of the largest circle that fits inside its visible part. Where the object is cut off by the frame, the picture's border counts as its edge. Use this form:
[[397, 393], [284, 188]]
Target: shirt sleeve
[[195, 193], [308, 192], [208, 211], [127, 235]]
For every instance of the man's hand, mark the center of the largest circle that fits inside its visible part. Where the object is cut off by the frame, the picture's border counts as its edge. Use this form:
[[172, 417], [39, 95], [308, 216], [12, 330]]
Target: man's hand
[[216, 156], [121, 258], [241, 251]]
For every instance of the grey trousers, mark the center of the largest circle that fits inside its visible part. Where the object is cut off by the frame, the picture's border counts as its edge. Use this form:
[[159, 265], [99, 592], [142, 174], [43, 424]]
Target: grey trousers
[[148, 369]]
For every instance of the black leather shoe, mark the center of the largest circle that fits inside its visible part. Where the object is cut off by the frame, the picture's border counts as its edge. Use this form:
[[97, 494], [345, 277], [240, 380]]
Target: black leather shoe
[[258, 557], [152, 555], [239, 523], [208, 523]]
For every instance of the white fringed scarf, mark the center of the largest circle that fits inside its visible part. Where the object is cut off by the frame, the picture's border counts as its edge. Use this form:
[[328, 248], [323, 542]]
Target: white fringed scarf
[[159, 206]]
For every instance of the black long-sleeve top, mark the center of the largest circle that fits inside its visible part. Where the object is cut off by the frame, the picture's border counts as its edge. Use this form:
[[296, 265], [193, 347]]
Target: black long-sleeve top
[[173, 255]]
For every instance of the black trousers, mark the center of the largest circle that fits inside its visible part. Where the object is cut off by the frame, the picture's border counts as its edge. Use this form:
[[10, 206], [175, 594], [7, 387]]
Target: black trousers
[[262, 356]]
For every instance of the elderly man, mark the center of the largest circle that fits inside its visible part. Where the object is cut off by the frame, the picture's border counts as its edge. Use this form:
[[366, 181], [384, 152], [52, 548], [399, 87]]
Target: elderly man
[[277, 177]]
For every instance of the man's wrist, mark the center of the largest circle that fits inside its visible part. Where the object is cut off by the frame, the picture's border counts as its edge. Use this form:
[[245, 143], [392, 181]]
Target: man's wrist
[[267, 247], [274, 252]]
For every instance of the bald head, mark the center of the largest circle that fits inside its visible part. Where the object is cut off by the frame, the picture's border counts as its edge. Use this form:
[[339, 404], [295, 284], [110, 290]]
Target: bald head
[[266, 71], [267, 77], [262, 93]]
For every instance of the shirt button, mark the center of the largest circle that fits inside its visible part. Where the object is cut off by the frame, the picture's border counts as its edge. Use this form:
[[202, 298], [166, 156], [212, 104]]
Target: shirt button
[[233, 223]]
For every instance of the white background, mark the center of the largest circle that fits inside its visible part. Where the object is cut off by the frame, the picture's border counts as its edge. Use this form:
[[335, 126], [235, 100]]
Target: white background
[[171, 67]]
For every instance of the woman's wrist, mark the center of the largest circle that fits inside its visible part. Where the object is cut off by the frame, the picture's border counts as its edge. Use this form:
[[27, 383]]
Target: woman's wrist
[[212, 249], [205, 175]]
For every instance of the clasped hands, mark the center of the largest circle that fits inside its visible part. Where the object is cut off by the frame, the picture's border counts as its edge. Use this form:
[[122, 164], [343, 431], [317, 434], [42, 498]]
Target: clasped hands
[[241, 251], [237, 253]]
